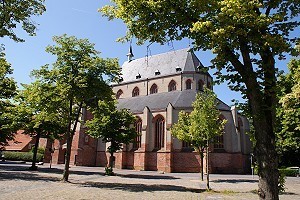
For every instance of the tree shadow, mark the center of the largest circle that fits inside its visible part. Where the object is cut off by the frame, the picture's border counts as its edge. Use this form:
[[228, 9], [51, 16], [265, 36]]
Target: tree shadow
[[234, 181], [26, 176], [140, 187], [144, 176]]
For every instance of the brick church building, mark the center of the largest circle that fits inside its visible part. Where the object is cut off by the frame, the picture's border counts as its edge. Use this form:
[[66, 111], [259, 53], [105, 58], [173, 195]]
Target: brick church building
[[155, 89]]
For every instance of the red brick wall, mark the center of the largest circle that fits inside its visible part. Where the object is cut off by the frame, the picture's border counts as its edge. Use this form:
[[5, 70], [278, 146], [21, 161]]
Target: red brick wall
[[186, 162]]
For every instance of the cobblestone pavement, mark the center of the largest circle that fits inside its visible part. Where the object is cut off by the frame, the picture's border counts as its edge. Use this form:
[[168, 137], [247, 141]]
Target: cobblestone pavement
[[16, 182]]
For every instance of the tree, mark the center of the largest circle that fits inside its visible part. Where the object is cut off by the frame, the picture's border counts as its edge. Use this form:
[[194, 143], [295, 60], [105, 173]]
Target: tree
[[201, 126], [7, 92], [38, 114], [13, 13], [113, 126], [288, 114], [245, 36], [77, 76]]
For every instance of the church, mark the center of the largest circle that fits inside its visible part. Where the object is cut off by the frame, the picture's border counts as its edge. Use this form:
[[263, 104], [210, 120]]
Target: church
[[155, 89]]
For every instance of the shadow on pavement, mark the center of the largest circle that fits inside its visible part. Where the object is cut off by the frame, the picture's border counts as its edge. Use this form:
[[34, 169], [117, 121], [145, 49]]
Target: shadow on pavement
[[234, 181], [144, 176], [25, 176], [140, 187]]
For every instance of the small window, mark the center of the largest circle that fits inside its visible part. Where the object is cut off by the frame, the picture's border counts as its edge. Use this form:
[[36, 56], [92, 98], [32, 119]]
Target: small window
[[209, 85], [172, 86], [121, 79], [138, 76], [153, 89], [157, 72], [119, 93], [159, 132], [135, 92], [178, 69], [200, 85], [188, 84]]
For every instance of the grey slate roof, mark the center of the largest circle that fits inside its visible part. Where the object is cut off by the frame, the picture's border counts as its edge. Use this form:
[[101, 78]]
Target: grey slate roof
[[159, 101], [165, 63]]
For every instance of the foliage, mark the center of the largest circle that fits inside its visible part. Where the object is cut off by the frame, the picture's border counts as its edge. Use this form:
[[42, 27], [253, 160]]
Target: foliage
[[22, 156], [14, 13], [112, 125], [40, 150], [288, 115], [109, 171], [7, 91], [76, 81], [246, 37], [289, 172], [201, 125], [281, 182]]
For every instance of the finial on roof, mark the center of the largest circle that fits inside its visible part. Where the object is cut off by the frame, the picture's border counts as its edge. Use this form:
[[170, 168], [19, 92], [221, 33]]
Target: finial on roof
[[130, 54]]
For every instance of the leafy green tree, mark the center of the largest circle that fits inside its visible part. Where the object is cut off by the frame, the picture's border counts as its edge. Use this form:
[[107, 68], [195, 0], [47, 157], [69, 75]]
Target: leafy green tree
[[288, 114], [7, 92], [39, 115], [77, 76], [14, 13], [245, 36], [113, 126], [201, 126]]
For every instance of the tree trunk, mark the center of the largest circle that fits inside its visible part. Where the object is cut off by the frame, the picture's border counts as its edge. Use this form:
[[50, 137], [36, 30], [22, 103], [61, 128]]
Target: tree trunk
[[207, 168], [70, 134], [111, 160], [36, 145], [201, 162], [67, 157]]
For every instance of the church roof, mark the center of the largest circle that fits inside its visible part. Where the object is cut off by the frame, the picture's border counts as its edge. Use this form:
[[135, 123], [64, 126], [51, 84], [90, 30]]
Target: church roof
[[165, 63], [159, 101]]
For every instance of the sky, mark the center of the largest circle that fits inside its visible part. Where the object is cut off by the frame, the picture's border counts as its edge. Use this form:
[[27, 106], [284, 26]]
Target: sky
[[80, 18]]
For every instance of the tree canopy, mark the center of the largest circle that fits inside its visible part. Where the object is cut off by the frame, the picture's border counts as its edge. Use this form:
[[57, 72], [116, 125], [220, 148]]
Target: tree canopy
[[245, 36], [77, 76], [202, 125], [288, 113], [112, 125], [7, 92], [14, 13]]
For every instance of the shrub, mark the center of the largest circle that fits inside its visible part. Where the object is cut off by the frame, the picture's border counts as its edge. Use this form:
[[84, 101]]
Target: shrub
[[40, 150], [22, 156]]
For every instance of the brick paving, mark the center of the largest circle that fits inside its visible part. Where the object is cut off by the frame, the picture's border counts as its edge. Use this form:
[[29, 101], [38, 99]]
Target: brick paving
[[16, 182]]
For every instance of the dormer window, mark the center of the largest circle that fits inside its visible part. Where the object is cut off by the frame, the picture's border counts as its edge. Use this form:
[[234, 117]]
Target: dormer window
[[121, 79], [138, 76], [178, 69], [157, 72]]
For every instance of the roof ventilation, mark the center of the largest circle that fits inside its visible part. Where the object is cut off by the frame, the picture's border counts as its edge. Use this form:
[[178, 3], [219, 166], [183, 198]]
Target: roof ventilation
[[157, 72], [138, 76], [178, 69]]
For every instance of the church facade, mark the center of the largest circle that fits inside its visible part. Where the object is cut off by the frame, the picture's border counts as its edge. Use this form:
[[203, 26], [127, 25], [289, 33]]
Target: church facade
[[155, 89]]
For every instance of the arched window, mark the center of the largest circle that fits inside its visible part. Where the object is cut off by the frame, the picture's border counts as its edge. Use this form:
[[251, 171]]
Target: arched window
[[188, 84], [135, 92], [172, 86], [200, 85], [138, 128], [219, 140], [159, 132], [153, 89], [119, 93]]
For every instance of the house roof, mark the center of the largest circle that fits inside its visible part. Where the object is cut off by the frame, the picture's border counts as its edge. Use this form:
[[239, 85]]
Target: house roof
[[19, 143], [165, 64], [160, 101]]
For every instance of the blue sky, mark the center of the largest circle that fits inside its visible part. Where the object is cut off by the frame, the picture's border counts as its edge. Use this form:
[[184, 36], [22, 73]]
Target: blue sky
[[81, 19]]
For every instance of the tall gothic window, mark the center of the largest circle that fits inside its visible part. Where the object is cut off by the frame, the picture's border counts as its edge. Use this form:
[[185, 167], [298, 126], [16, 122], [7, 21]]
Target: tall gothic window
[[135, 92], [200, 85], [172, 86], [188, 84], [138, 128], [219, 140], [153, 89], [209, 85], [159, 132], [119, 93]]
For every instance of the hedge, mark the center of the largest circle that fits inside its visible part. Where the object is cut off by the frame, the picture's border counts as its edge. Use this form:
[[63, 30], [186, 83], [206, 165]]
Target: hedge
[[22, 156], [289, 172]]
